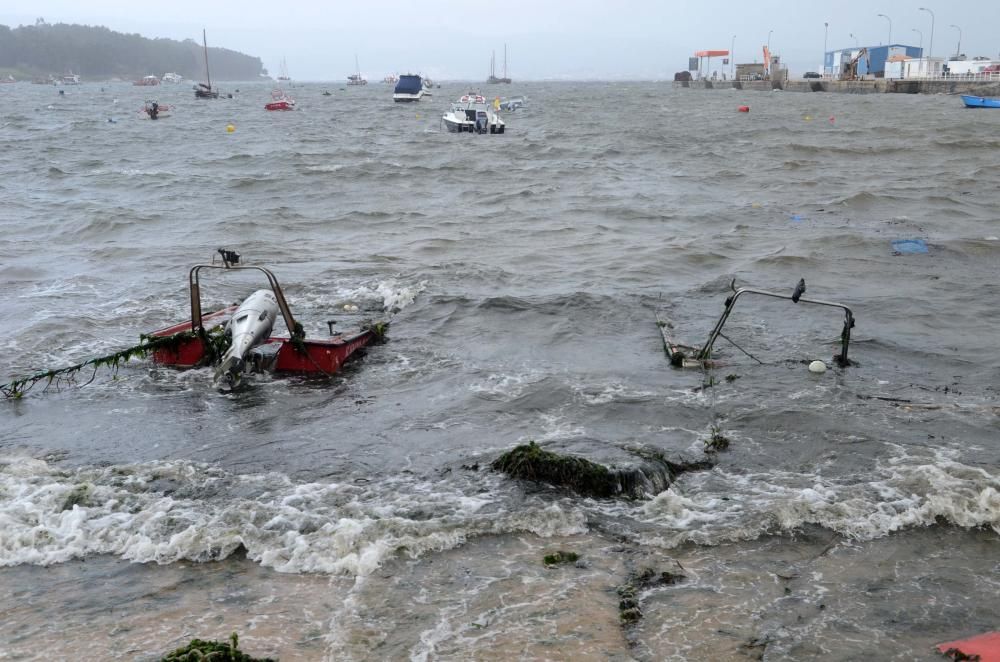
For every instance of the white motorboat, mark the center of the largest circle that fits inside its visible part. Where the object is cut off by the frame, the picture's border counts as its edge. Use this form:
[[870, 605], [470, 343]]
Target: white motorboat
[[171, 78], [409, 88], [512, 104], [474, 114]]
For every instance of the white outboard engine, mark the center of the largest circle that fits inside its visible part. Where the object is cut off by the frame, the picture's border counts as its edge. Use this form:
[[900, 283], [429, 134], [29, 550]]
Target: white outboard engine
[[250, 326]]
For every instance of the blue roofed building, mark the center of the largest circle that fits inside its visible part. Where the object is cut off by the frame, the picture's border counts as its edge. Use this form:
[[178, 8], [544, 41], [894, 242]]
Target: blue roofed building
[[872, 62]]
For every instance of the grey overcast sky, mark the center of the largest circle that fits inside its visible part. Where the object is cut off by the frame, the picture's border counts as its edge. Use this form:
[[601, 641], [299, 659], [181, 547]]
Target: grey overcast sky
[[547, 39]]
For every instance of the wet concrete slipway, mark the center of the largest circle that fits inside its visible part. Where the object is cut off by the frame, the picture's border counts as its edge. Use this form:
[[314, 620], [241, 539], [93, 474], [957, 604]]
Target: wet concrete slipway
[[854, 515]]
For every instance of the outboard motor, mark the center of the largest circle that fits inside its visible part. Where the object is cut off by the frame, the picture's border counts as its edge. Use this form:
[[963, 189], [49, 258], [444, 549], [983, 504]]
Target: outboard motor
[[154, 110], [249, 327]]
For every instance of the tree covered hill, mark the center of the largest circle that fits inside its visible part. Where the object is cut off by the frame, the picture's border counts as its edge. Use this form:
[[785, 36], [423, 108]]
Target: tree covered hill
[[97, 52]]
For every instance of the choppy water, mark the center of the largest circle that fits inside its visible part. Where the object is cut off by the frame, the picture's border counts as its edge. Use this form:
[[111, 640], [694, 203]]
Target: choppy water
[[356, 519]]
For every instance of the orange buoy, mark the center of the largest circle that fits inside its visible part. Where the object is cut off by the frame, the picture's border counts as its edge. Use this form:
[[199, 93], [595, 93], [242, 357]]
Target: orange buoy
[[744, 109]]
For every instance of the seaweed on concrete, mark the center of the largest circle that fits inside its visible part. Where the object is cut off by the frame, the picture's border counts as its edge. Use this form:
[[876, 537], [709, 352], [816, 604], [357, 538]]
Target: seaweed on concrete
[[529, 461], [212, 651]]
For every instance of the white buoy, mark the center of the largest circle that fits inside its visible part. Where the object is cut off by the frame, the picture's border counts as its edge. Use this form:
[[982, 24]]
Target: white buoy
[[817, 367]]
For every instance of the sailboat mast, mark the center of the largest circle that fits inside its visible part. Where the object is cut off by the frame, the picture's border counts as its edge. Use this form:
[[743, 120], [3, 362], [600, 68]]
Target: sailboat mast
[[204, 42], [357, 67], [505, 60]]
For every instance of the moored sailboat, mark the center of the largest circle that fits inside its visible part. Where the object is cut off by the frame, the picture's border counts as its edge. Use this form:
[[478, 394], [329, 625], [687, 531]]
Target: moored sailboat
[[204, 90], [356, 78], [493, 80]]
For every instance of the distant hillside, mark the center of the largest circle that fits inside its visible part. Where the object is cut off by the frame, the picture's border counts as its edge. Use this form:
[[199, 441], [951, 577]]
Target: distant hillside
[[97, 52]]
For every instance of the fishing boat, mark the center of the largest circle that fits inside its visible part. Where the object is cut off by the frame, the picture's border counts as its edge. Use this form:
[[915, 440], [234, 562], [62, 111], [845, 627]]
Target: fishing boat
[[69, 79], [356, 78], [980, 102], [8, 80], [409, 88], [147, 81], [155, 110], [391, 79], [280, 101], [283, 75], [492, 79], [247, 330], [204, 90], [472, 113]]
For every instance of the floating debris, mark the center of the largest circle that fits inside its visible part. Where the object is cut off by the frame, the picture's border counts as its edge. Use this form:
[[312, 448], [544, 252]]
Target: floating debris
[[909, 246]]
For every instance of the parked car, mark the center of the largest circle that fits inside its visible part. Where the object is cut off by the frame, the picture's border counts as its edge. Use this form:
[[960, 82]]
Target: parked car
[[811, 74]]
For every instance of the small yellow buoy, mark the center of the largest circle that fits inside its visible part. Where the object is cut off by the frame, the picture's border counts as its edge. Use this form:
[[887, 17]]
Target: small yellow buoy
[[808, 118], [418, 115], [230, 128]]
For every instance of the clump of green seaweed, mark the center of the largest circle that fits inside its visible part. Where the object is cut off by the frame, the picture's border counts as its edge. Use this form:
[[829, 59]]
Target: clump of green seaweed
[[717, 441], [212, 651], [530, 462], [629, 612], [560, 557]]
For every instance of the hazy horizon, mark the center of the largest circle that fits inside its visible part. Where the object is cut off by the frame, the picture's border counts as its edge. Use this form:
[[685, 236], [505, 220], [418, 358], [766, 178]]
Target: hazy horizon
[[585, 40]]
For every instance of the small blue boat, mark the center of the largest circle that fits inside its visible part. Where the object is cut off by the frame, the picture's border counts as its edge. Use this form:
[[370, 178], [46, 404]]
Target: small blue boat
[[980, 102]]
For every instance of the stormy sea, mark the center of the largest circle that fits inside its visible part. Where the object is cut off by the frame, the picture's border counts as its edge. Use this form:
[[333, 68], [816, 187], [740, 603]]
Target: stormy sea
[[771, 512]]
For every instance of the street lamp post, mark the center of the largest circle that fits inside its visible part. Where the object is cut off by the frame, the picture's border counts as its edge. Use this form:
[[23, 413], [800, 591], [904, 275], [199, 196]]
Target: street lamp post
[[921, 41], [826, 33], [889, 43], [959, 51], [930, 46], [768, 63], [732, 56]]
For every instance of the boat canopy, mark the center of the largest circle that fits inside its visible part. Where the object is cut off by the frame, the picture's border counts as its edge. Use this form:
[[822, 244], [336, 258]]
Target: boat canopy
[[409, 84]]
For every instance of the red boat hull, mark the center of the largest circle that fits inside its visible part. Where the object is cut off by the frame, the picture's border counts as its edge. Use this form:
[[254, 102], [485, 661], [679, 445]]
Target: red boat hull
[[279, 105], [320, 356]]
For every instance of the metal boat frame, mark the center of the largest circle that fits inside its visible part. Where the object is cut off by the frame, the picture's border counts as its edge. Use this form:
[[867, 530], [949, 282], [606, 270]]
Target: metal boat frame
[[845, 336], [231, 264]]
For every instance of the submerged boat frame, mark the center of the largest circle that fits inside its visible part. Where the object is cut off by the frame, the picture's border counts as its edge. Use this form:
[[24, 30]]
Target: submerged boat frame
[[294, 354]]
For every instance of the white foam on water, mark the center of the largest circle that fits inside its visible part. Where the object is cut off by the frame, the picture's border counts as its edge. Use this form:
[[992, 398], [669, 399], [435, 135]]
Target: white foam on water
[[602, 394], [166, 512], [510, 386], [904, 492], [390, 294]]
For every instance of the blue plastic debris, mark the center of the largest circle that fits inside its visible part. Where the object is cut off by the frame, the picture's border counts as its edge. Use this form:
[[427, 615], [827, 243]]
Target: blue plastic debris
[[908, 246], [798, 218]]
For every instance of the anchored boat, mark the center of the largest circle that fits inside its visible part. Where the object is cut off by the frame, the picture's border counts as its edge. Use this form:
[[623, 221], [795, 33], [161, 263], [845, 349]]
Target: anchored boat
[[980, 102], [474, 114], [409, 88], [155, 110], [280, 101], [240, 337]]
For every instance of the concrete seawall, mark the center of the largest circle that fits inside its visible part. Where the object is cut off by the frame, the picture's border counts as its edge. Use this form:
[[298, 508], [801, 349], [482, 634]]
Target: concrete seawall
[[881, 86]]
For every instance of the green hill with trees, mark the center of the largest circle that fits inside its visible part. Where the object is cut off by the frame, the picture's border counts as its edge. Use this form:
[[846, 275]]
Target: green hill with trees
[[99, 53]]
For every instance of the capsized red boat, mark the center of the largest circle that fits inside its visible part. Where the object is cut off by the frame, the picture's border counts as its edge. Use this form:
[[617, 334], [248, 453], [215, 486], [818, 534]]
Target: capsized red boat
[[255, 350], [280, 101]]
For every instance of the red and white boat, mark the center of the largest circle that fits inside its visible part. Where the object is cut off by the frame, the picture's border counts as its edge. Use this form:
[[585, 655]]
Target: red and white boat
[[280, 101], [147, 81], [293, 353]]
